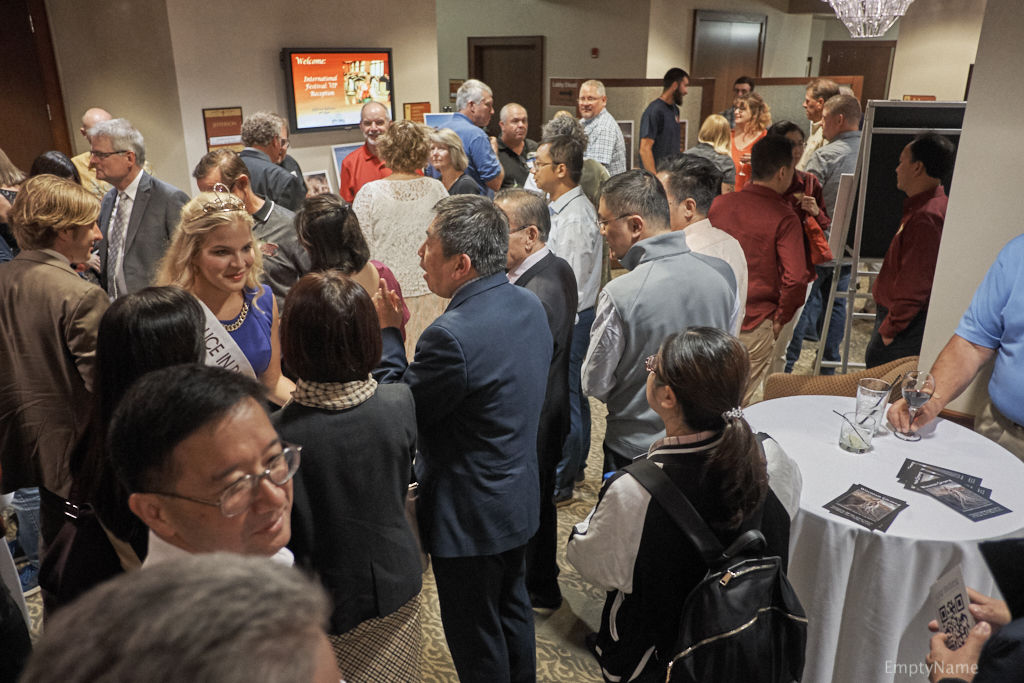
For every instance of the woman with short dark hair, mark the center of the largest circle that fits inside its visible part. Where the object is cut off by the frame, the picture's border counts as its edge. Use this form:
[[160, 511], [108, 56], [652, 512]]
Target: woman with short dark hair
[[348, 518], [329, 230], [631, 547]]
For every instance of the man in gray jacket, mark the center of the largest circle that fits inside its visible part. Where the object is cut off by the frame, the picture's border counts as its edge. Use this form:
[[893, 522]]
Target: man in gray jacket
[[667, 289]]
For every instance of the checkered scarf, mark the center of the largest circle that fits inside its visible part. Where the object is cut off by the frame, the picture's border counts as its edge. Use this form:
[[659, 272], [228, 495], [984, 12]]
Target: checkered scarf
[[333, 395]]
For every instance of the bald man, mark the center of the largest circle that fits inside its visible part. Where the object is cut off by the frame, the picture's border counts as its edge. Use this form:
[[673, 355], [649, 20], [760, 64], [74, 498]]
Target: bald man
[[90, 182], [363, 165], [515, 151]]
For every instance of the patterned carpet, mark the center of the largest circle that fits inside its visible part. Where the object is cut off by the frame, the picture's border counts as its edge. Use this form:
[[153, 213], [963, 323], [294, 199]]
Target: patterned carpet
[[561, 654]]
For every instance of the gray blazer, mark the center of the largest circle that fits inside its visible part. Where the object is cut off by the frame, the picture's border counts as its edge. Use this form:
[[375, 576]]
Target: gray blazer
[[155, 215]]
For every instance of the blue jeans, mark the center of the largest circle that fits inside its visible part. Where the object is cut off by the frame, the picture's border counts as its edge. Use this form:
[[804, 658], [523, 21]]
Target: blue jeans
[[577, 443], [26, 506], [811, 319]]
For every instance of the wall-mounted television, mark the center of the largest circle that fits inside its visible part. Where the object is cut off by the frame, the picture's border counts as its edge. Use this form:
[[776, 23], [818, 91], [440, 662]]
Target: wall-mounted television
[[326, 88]]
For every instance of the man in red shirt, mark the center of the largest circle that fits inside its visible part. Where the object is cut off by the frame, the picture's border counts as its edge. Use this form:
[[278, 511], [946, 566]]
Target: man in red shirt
[[767, 228], [362, 165], [904, 283]]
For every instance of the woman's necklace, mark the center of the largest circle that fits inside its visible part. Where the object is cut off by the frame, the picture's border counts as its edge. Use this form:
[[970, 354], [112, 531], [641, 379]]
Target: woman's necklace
[[231, 327]]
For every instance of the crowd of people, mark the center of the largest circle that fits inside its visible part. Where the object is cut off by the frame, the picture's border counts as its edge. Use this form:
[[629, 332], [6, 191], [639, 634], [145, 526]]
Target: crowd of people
[[260, 372]]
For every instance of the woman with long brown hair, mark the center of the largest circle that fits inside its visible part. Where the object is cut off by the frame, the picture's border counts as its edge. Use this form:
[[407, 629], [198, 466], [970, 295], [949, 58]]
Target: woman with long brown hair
[[753, 116], [630, 546]]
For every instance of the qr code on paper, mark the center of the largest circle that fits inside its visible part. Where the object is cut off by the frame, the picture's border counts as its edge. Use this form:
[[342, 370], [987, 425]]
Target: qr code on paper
[[953, 616]]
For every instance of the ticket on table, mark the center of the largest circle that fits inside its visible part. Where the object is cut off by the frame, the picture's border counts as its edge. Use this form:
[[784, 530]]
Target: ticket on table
[[966, 501], [866, 507]]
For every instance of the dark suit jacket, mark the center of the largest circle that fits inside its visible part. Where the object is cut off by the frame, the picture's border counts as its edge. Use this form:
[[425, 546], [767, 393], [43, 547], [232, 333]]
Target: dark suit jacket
[[348, 515], [273, 182], [478, 378], [552, 280], [156, 212], [49, 319]]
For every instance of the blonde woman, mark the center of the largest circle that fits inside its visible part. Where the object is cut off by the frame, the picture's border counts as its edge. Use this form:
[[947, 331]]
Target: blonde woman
[[752, 116], [214, 256], [713, 144], [450, 160], [395, 213]]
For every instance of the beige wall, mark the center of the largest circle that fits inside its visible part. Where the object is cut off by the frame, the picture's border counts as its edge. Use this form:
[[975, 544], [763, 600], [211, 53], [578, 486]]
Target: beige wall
[[124, 66], [983, 212], [618, 29], [671, 35], [172, 59], [937, 44], [227, 57]]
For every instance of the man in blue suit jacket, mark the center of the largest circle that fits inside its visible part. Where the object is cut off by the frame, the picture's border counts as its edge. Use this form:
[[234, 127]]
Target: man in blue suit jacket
[[479, 378], [138, 216]]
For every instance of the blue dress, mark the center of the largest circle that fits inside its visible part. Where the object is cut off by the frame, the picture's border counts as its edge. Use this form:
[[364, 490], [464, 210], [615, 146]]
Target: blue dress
[[253, 336]]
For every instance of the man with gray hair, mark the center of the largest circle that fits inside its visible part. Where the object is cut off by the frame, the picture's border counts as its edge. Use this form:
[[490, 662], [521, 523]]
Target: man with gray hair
[[138, 215], [363, 165], [265, 137], [515, 150], [668, 288], [478, 408], [533, 266], [606, 142], [474, 103], [216, 617]]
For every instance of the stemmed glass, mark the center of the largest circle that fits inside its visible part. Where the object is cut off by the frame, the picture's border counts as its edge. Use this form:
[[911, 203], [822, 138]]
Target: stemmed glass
[[917, 387]]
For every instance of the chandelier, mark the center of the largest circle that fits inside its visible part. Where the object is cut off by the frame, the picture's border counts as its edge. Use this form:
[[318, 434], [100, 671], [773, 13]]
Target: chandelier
[[869, 18]]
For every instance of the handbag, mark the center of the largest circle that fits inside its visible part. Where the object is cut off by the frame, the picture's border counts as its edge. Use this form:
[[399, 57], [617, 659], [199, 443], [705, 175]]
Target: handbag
[[817, 243], [80, 557], [411, 499], [743, 621]]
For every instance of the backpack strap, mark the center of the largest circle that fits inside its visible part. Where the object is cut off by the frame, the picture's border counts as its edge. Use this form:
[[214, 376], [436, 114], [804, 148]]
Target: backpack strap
[[678, 507]]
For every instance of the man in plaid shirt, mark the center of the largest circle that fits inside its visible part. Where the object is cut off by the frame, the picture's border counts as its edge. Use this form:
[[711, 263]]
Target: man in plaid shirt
[[606, 144]]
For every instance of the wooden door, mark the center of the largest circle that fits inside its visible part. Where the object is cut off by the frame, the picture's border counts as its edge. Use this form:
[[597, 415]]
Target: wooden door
[[727, 45], [513, 66], [31, 105], [870, 58]]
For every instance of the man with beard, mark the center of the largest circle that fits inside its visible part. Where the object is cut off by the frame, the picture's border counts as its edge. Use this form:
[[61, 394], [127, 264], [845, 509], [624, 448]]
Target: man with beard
[[659, 127], [363, 165]]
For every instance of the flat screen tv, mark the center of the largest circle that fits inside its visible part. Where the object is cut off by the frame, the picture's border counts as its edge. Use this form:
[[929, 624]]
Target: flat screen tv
[[327, 87]]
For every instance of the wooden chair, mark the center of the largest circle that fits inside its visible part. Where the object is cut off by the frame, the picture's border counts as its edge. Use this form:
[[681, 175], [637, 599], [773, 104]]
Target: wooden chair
[[783, 384]]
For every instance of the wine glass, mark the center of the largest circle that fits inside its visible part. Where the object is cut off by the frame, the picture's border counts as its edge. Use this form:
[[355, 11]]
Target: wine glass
[[917, 387]]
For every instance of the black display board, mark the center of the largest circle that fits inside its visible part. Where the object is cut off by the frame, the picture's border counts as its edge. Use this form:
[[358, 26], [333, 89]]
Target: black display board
[[888, 127]]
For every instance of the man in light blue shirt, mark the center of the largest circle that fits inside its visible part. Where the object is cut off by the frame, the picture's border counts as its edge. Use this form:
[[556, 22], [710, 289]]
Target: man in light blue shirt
[[475, 104]]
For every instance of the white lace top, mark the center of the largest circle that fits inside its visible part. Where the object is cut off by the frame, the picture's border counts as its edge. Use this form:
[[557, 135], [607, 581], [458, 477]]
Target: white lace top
[[394, 216]]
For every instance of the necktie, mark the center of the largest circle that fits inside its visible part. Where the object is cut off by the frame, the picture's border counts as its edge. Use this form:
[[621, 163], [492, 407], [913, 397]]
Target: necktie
[[115, 250]]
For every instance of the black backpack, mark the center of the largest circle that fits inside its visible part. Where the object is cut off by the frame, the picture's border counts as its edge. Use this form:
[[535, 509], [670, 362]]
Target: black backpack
[[743, 622]]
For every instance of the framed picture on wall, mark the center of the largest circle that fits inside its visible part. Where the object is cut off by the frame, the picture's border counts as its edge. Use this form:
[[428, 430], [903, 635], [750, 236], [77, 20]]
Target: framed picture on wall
[[339, 152], [317, 182]]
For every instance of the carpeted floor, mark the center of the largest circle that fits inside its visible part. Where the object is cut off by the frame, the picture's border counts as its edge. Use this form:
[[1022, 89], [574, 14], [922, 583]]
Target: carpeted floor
[[561, 654]]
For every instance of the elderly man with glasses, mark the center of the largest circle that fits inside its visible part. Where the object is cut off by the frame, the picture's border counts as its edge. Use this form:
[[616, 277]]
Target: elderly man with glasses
[[607, 146], [204, 467]]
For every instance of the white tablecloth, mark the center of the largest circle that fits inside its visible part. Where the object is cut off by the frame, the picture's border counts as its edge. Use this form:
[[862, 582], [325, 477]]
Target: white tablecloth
[[866, 592]]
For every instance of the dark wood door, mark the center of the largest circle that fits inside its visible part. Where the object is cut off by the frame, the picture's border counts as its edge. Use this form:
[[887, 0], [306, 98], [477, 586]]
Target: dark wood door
[[727, 45], [869, 58], [31, 106], [513, 66]]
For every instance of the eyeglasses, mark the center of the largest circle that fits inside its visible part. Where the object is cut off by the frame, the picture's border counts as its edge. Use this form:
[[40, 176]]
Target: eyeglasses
[[538, 164], [222, 201], [285, 142], [588, 100], [104, 155], [521, 227], [239, 496], [602, 223]]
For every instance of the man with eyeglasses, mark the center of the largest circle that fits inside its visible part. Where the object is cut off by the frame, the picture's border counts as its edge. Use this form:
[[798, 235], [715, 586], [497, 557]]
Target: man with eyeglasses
[[205, 468], [138, 216], [265, 137], [575, 237], [607, 145], [668, 288]]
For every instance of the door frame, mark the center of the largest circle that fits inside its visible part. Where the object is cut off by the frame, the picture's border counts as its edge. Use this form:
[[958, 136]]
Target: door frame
[[475, 49], [701, 15]]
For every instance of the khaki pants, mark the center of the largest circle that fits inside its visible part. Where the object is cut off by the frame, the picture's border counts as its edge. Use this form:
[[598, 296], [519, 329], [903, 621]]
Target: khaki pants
[[994, 425], [759, 342]]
